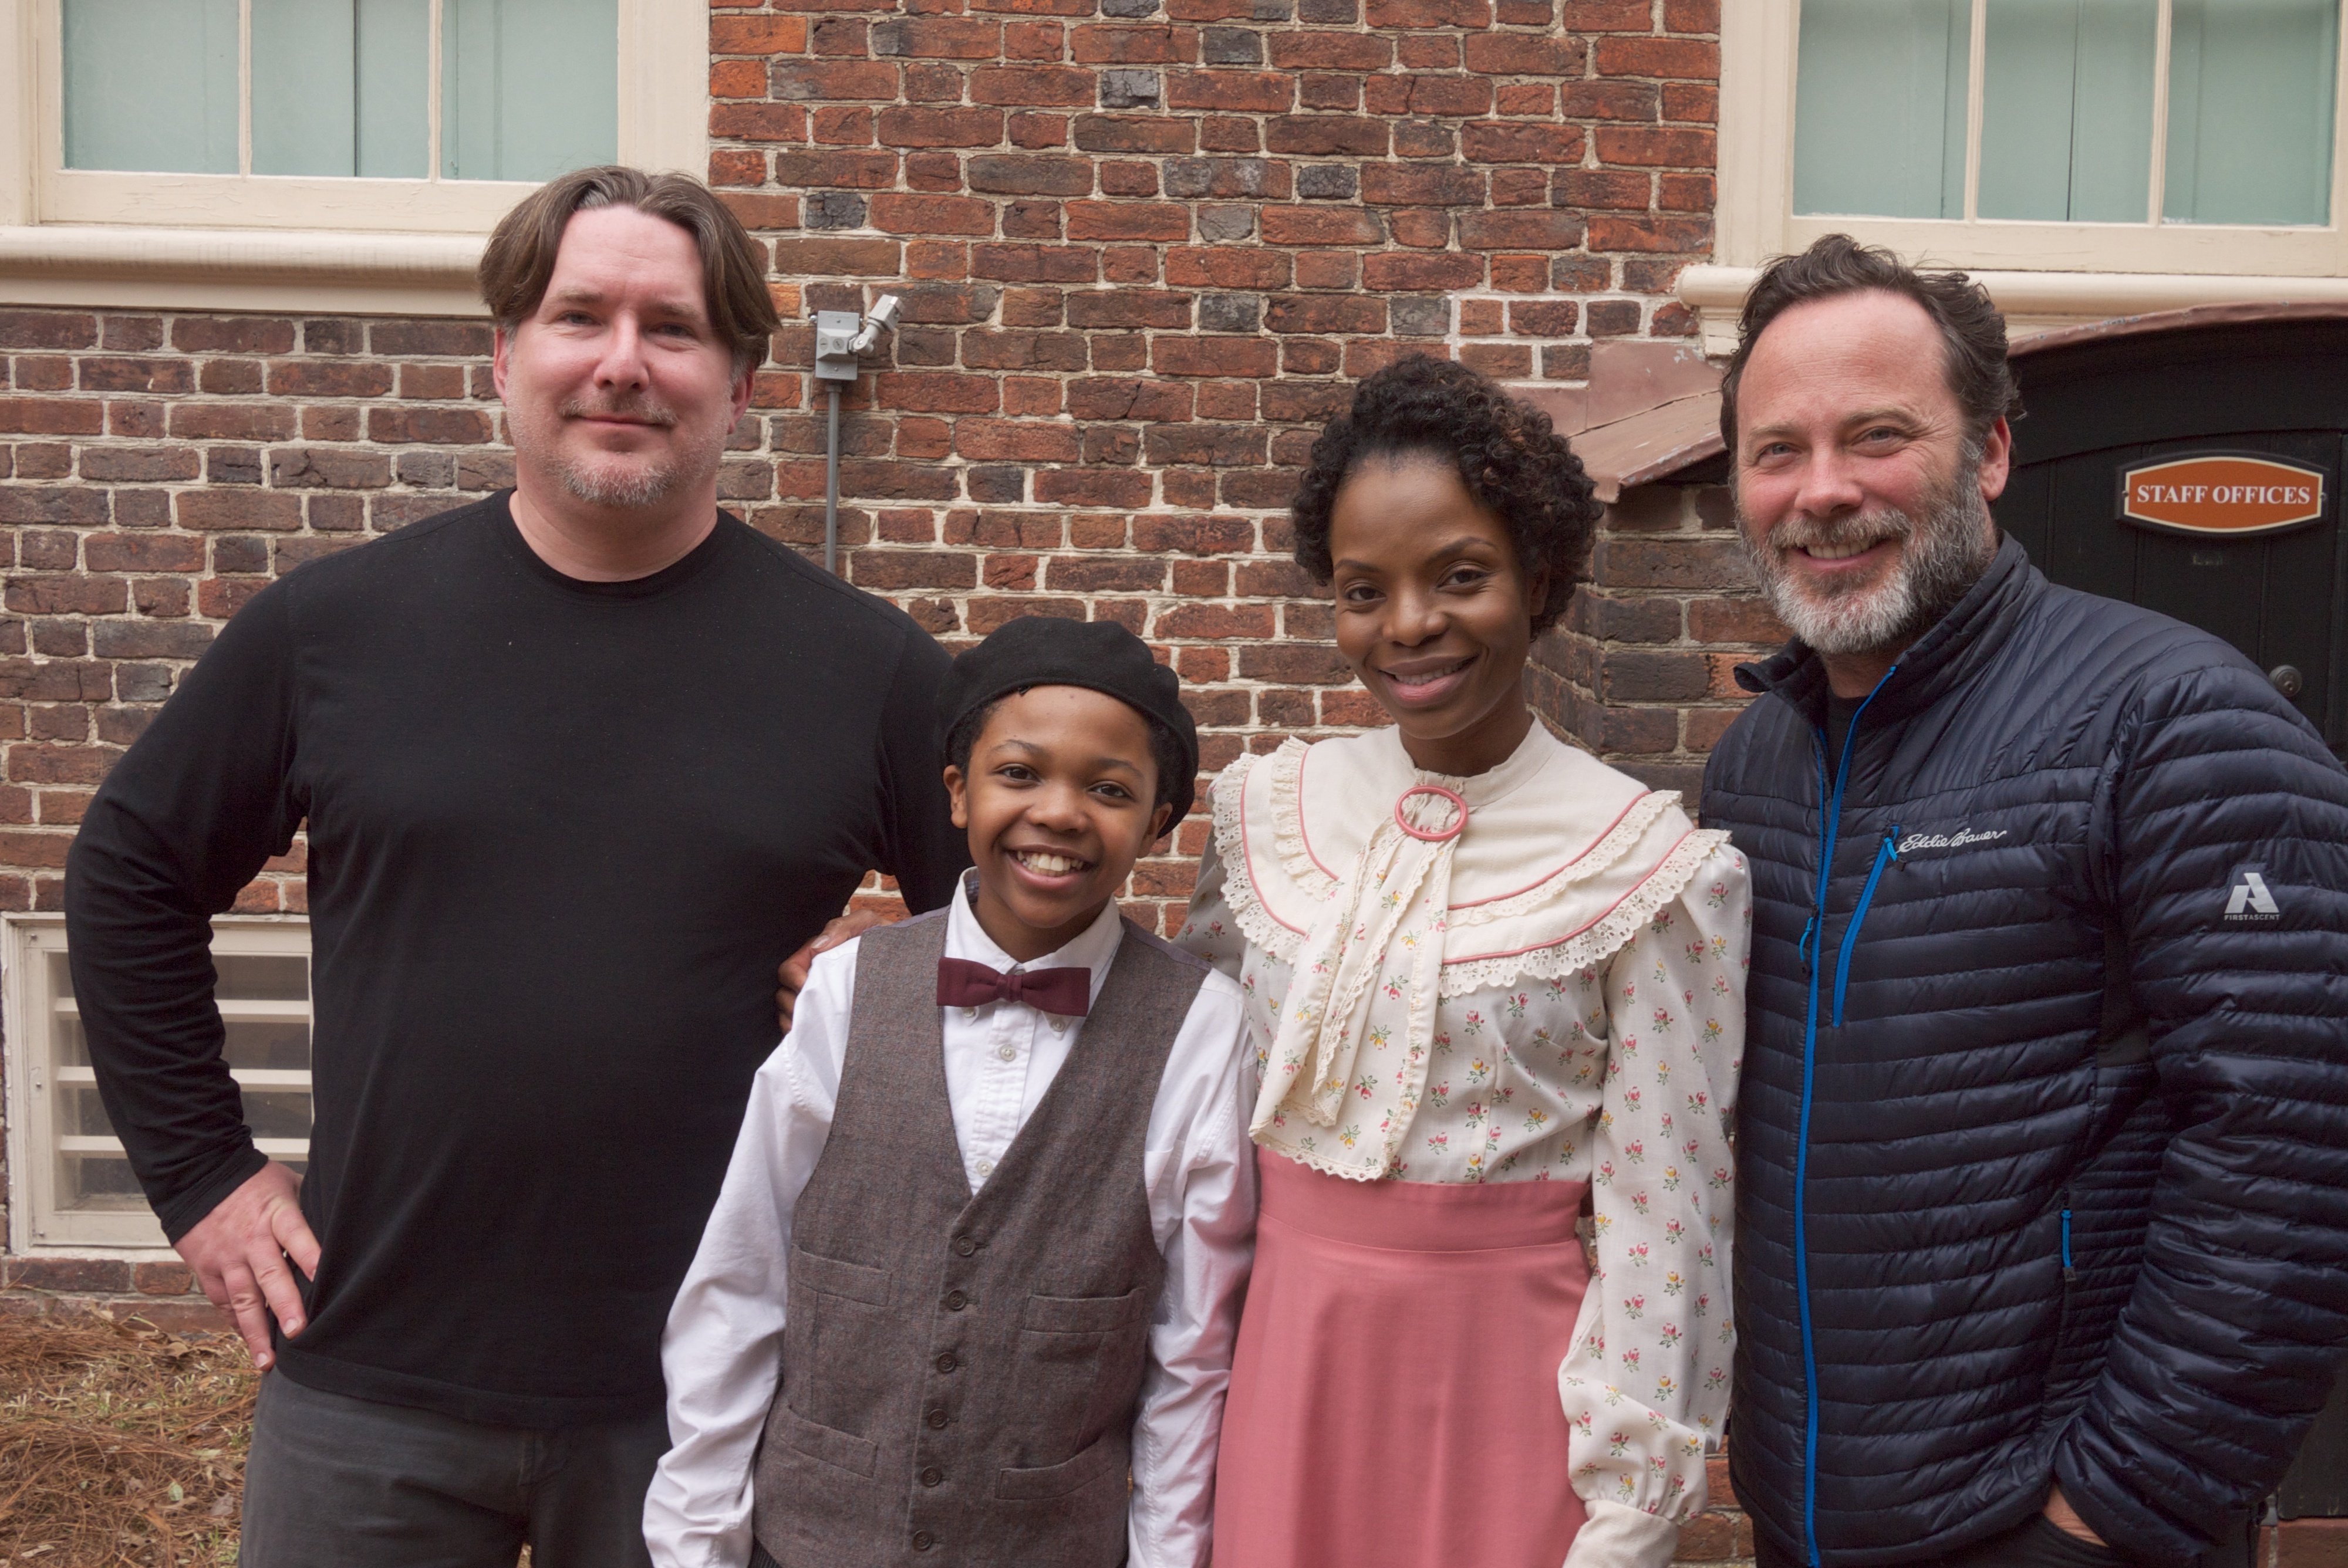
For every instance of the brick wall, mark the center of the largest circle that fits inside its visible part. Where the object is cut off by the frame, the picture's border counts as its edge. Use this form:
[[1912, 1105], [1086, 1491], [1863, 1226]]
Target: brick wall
[[1145, 248]]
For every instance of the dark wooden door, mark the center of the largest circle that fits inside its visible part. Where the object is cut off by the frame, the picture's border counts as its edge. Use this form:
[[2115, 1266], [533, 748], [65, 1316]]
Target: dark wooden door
[[2096, 409]]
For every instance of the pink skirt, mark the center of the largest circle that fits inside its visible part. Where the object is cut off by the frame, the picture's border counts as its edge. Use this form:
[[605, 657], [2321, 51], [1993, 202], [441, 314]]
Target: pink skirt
[[1393, 1400]]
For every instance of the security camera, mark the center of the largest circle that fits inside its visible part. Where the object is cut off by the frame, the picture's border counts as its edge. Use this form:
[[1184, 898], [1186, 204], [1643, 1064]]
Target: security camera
[[884, 315]]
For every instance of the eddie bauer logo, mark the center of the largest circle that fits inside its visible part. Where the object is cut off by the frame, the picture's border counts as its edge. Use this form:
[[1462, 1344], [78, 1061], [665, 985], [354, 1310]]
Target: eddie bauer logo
[[1957, 840], [2250, 899]]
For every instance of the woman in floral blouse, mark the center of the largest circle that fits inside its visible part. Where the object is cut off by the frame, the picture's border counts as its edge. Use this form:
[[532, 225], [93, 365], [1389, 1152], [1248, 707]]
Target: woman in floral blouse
[[1497, 995]]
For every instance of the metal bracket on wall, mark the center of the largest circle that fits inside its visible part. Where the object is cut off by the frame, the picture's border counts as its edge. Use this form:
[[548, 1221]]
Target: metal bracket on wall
[[839, 337]]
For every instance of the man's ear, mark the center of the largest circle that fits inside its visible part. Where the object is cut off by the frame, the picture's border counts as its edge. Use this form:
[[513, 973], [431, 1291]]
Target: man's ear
[[958, 797], [1997, 459], [500, 350]]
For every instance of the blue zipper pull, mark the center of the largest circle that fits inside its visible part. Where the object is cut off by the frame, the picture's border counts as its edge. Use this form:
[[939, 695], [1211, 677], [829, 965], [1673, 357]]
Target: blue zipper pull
[[2069, 1273], [1809, 933]]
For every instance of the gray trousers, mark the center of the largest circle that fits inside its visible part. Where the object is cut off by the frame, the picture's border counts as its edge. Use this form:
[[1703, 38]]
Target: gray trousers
[[338, 1483]]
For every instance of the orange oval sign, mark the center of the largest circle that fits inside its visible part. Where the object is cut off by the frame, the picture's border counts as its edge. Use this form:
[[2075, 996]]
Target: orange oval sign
[[2222, 494]]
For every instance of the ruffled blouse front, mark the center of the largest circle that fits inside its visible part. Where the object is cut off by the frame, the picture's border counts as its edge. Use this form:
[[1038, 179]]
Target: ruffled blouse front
[[1536, 973]]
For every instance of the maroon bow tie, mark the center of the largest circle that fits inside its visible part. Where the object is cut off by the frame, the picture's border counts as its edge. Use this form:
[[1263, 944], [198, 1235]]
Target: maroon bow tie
[[963, 984]]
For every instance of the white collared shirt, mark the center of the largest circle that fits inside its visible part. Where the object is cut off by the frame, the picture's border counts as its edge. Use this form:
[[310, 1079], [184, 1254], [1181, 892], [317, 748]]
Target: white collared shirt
[[722, 1353]]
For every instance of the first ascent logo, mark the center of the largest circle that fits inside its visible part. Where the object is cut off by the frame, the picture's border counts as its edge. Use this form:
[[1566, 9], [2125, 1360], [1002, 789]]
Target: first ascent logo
[[2250, 900]]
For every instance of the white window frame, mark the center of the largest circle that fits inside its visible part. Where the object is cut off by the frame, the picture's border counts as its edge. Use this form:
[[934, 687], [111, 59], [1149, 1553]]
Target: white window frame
[[36, 1226], [2044, 274], [278, 244]]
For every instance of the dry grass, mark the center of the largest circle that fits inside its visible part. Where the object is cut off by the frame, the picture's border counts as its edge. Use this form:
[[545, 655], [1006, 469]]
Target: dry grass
[[120, 1446]]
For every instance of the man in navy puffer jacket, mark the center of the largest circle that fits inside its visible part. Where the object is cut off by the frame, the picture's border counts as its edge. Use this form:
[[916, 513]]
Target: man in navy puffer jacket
[[2043, 1246]]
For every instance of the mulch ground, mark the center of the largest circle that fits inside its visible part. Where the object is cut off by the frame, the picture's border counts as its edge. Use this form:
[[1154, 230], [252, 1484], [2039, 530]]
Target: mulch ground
[[120, 1446]]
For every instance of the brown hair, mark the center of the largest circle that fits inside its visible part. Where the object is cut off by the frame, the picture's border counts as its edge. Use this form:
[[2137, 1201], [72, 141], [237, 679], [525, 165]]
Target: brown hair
[[520, 258], [1971, 330]]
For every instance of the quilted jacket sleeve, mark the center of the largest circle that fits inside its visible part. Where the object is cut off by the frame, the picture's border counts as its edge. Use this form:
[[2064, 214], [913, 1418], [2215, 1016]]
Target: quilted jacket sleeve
[[2228, 850]]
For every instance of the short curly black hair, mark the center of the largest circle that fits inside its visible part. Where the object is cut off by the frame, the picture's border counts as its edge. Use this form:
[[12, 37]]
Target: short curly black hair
[[1509, 456]]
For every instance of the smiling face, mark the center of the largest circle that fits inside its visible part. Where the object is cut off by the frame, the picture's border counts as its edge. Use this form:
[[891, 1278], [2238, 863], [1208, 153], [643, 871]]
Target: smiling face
[[1434, 612], [1059, 801], [619, 393], [1862, 505]]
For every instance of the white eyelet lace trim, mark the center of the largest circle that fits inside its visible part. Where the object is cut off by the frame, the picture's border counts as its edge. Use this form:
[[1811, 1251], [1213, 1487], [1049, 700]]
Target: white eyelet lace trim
[[1246, 905], [1612, 847], [1595, 944]]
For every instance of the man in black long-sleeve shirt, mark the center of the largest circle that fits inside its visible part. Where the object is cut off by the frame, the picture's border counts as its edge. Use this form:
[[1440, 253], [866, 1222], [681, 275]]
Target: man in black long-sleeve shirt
[[580, 766]]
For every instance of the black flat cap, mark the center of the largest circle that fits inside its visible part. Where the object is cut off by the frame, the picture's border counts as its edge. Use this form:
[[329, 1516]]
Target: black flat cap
[[1098, 655]]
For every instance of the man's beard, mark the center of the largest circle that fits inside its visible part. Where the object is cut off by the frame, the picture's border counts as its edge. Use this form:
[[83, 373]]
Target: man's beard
[[1942, 556], [609, 479]]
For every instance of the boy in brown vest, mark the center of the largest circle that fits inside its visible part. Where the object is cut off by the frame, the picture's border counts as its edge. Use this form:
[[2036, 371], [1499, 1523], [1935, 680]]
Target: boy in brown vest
[[978, 1257]]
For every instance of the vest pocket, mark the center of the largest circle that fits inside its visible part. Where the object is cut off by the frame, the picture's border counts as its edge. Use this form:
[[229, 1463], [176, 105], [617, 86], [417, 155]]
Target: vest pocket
[[859, 1456], [834, 1276], [1081, 1314], [1102, 1459]]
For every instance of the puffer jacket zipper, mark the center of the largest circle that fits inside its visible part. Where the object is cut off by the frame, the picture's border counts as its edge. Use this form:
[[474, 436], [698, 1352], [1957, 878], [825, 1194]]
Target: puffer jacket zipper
[[1885, 853], [1813, 933]]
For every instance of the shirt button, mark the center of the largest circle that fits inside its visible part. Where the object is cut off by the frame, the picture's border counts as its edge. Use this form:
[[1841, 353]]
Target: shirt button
[[934, 1476], [1007, 1052], [937, 1416], [986, 1168], [964, 1246], [923, 1541], [946, 1362], [968, 1014], [1059, 1024], [956, 1301]]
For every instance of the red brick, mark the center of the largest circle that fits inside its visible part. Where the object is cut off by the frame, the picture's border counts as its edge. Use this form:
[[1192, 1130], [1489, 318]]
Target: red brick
[[902, 214], [1668, 234], [904, 127], [50, 416], [912, 569], [46, 329], [757, 34], [1142, 46], [1430, 185], [1162, 221], [238, 509], [837, 170], [1235, 267], [1426, 96], [938, 38], [1659, 59], [1326, 313], [1045, 87], [76, 595], [1429, 13], [842, 258], [801, 81], [1331, 51], [1120, 398], [1401, 273], [1011, 174], [1230, 92], [935, 392], [1524, 54], [232, 335], [1034, 263], [1319, 226], [1214, 356], [1003, 440], [1520, 230], [1649, 147], [1122, 133]]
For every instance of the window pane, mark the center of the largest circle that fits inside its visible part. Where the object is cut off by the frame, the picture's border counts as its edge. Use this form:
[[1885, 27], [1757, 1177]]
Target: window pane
[[2066, 110], [529, 88], [339, 87], [2249, 111], [1880, 107], [150, 85]]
